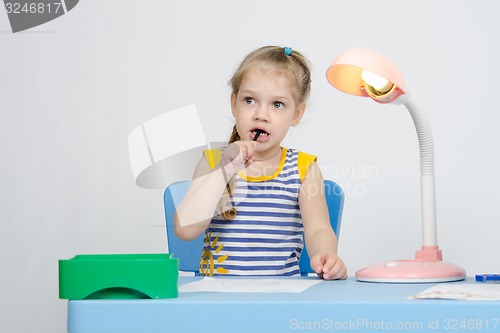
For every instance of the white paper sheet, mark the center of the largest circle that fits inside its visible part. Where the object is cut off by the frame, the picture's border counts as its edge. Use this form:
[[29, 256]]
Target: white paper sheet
[[462, 291], [238, 285]]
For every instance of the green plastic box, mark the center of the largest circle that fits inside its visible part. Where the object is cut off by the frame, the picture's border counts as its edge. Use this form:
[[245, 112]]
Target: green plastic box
[[118, 276]]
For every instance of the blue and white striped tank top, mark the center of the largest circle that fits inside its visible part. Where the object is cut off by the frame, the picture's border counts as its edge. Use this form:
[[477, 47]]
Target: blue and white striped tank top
[[265, 238]]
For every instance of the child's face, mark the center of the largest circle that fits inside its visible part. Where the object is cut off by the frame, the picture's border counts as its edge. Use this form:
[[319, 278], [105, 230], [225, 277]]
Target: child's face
[[266, 101]]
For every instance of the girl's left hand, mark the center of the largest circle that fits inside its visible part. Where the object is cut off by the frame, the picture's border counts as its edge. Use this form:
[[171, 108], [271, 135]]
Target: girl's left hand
[[329, 266]]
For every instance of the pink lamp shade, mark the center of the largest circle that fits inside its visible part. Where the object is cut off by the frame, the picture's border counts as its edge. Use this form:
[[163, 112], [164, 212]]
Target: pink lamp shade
[[346, 74]]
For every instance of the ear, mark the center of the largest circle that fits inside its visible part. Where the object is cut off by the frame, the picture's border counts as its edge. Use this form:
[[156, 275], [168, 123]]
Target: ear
[[233, 104], [298, 114]]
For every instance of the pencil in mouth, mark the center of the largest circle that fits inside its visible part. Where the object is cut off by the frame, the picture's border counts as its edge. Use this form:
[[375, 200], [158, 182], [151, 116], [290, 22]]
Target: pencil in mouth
[[258, 133]]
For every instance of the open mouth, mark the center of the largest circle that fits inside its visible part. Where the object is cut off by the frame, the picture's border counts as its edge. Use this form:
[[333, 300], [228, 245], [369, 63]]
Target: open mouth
[[259, 133]]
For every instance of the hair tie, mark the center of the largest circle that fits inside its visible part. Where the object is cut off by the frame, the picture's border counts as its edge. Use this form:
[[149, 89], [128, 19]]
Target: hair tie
[[288, 51]]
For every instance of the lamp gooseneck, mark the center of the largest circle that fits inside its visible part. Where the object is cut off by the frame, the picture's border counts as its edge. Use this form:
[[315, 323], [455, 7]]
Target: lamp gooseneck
[[424, 133], [427, 182]]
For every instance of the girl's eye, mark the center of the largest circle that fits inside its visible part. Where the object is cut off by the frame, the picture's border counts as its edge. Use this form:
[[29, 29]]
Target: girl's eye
[[278, 105], [249, 100]]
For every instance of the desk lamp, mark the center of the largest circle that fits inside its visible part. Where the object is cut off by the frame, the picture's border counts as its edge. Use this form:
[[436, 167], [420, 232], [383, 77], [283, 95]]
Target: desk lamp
[[366, 73]]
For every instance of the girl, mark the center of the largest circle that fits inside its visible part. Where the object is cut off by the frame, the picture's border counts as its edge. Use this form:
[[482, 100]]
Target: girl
[[263, 195]]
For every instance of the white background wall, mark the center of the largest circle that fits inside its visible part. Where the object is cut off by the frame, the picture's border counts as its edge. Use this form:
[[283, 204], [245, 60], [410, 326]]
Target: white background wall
[[73, 89]]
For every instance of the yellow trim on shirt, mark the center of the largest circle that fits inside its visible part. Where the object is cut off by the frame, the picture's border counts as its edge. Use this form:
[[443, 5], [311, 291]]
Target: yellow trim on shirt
[[213, 157], [263, 178], [304, 160]]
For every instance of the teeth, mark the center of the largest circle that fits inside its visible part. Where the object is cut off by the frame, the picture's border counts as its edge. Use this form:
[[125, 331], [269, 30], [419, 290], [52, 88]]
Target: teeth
[[262, 133]]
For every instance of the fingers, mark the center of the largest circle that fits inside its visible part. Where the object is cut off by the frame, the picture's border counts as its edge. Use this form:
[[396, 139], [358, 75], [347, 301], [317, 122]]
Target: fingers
[[329, 266], [240, 154], [317, 263], [337, 272], [247, 150]]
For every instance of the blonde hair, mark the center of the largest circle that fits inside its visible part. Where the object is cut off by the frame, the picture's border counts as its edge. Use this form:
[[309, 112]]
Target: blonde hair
[[285, 59]]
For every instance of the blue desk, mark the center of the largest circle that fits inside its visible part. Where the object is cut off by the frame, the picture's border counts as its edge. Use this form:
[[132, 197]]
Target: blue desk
[[340, 306]]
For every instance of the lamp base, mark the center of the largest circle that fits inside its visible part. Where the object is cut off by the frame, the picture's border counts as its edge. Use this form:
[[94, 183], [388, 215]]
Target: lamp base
[[411, 271]]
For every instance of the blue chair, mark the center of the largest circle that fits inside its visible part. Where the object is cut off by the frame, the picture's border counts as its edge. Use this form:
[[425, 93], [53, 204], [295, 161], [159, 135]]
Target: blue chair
[[189, 252]]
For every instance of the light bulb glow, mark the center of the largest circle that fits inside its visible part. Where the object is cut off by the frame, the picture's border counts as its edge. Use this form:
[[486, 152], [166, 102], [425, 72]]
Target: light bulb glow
[[376, 85], [374, 80]]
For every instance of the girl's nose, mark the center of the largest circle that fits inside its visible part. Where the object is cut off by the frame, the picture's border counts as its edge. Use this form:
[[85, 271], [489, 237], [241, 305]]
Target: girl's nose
[[261, 113]]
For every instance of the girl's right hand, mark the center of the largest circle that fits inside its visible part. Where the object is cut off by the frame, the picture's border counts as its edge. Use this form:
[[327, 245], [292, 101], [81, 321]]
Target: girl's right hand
[[238, 155]]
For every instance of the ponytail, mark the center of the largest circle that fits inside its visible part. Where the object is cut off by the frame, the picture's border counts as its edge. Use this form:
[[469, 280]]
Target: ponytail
[[229, 213]]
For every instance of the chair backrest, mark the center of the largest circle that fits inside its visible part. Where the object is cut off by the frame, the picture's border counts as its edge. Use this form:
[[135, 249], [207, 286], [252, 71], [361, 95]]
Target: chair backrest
[[189, 252]]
